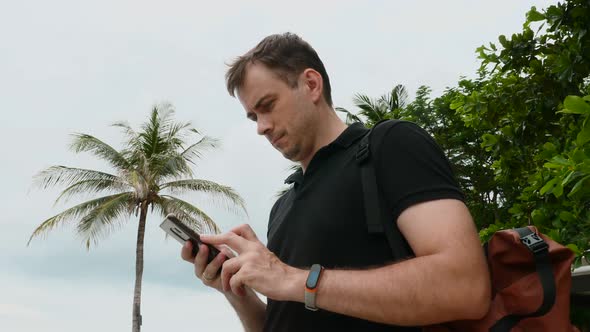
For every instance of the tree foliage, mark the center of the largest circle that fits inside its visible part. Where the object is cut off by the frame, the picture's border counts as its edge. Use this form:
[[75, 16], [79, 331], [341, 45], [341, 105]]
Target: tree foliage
[[530, 100]]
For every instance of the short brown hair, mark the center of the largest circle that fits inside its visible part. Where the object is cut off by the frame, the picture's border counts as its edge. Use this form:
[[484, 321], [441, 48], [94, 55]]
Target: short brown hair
[[287, 55]]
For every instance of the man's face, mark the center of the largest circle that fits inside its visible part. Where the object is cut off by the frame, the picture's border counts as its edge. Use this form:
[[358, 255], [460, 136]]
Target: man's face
[[284, 115]]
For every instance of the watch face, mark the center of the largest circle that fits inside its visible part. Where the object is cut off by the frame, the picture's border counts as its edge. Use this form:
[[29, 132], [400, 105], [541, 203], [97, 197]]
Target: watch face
[[314, 275]]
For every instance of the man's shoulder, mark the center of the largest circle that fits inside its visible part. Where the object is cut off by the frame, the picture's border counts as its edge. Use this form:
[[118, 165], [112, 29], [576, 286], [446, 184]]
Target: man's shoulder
[[395, 135], [396, 128]]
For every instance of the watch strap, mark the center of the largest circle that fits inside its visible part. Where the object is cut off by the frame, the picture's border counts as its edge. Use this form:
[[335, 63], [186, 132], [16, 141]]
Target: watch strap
[[311, 287], [310, 300]]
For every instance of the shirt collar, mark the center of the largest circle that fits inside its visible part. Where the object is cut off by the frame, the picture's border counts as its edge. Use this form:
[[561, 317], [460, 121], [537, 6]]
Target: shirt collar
[[296, 177], [350, 135]]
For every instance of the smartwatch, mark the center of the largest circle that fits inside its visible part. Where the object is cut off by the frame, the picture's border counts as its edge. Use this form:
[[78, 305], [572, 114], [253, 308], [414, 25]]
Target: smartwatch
[[311, 286]]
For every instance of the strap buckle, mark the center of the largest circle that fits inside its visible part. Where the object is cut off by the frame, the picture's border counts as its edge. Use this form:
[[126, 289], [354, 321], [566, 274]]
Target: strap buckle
[[534, 242]]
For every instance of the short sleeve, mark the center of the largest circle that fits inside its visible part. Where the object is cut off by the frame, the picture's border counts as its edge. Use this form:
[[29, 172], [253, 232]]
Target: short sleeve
[[411, 168]]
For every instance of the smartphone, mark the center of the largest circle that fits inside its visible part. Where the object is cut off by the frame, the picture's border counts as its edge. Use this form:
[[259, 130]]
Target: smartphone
[[182, 233]]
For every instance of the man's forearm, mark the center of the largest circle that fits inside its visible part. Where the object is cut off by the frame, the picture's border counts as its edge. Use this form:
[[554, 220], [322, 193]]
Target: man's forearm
[[416, 292], [250, 310]]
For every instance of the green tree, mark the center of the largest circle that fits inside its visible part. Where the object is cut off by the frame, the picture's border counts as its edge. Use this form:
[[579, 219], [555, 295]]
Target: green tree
[[154, 165], [461, 145], [538, 146]]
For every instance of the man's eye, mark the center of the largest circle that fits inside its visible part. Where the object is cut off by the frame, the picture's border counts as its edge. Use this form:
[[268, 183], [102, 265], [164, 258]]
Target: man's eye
[[268, 106]]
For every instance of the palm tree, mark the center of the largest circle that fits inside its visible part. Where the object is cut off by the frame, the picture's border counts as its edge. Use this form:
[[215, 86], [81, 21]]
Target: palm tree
[[154, 165], [388, 106]]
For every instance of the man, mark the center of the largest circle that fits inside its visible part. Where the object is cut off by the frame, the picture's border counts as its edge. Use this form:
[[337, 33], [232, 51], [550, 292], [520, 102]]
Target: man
[[283, 87]]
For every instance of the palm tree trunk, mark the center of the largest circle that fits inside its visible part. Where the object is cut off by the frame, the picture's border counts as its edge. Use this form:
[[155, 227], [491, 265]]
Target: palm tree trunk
[[139, 269]]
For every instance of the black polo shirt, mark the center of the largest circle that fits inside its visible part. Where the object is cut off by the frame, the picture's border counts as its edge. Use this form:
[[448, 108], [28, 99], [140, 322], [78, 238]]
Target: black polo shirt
[[321, 219]]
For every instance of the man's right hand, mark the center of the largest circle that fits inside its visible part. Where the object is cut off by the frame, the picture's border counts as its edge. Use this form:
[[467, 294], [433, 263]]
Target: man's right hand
[[209, 274]]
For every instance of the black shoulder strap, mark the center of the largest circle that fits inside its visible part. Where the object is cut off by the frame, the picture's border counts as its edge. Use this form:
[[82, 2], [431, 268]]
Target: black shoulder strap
[[370, 190], [377, 217], [540, 250]]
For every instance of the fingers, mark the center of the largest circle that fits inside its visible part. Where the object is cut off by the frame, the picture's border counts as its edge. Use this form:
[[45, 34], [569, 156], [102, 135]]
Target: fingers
[[242, 240], [245, 231], [237, 285], [200, 260], [231, 267], [187, 252], [233, 276], [212, 270], [205, 271], [226, 251], [238, 238], [234, 241]]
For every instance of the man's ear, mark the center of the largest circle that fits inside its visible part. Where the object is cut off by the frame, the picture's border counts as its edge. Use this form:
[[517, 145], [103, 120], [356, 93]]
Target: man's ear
[[313, 84]]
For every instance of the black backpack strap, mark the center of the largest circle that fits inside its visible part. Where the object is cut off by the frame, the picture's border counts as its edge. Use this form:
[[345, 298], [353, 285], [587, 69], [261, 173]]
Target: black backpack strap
[[370, 190], [377, 216], [540, 250]]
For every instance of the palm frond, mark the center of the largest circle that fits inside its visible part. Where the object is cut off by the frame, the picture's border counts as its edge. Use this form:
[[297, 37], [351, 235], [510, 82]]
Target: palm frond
[[227, 195], [165, 111], [396, 99], [185, 211], [402, 95], [127, 129], [132, 141], [149, 135], [67, 176], [74, 212], [105, 218], [371, 109], [88, 143], [175, 165], [196, 149], [364, 102], [350, 117], [92, 186], [178, 130], [154, 135]]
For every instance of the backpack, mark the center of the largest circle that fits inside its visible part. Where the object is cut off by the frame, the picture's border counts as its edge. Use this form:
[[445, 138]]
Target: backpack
[[530, 273]]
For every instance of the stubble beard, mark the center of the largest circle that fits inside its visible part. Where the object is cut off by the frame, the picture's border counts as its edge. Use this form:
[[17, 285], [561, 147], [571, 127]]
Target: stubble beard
[[291, 153]]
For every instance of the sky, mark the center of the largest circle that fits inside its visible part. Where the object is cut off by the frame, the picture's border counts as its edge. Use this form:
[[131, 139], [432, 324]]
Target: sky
[[79, 66]]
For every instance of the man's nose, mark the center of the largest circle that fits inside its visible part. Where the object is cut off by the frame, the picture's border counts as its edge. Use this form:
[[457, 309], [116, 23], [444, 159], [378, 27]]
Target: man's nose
[[263, 125]]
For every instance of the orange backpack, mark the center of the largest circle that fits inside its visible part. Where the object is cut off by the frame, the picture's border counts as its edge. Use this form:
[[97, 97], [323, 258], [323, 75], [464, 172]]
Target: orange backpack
[[531, 283]]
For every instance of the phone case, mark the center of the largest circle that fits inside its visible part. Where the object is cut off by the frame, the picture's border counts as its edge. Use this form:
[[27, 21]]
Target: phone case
[[182, 233]]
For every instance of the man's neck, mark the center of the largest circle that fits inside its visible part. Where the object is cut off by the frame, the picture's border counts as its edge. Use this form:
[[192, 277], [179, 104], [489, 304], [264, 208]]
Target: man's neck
[[330, 126]]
